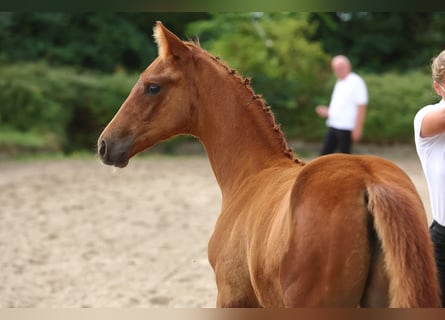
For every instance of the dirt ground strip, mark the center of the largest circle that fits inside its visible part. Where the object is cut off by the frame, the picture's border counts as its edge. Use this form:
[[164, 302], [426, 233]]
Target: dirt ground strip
[[76, 233]]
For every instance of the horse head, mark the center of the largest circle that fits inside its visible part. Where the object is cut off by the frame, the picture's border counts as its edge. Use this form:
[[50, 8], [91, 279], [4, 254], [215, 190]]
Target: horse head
[[157, 108]]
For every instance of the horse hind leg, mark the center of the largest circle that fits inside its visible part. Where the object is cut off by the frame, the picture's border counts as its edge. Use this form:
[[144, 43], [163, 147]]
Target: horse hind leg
[[376, 292]]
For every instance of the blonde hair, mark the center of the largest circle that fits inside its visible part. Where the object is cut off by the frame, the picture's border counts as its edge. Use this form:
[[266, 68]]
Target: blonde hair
[[438, 67]]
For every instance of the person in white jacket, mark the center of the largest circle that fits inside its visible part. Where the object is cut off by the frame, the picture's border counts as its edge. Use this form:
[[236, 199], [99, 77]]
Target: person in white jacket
[[347, 108], [429, 137]]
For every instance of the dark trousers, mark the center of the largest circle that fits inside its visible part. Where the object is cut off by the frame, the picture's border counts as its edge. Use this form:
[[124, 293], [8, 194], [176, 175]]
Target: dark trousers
[[437, 233], [336, 139]]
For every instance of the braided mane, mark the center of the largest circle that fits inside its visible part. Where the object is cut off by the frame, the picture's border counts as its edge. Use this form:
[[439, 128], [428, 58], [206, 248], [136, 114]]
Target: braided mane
[[261, 103]]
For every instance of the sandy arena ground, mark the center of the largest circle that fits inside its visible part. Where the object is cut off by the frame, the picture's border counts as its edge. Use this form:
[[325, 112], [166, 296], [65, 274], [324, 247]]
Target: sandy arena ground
[[76, 233]]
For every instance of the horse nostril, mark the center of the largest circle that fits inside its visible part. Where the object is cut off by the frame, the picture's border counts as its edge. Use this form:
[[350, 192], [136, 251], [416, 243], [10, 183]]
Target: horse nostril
[[102, 149]]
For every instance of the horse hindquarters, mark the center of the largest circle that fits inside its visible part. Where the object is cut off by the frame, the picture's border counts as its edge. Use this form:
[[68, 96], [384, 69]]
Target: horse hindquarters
[[344, 210], [376, 293], [329, 254]]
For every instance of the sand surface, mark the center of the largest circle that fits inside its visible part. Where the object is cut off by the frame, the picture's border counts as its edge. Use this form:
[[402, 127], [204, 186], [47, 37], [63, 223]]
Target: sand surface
[[76, 233]]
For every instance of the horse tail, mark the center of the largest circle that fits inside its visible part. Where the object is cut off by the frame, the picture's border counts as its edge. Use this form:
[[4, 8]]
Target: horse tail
[[400, 224]]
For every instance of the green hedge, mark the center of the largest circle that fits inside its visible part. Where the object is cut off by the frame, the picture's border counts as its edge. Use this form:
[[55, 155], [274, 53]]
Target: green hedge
[[63, 109], [394, 100]]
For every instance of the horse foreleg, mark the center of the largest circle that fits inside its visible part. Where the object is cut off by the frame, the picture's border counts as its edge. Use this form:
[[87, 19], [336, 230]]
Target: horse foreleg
[[232, 301], [235, 293]]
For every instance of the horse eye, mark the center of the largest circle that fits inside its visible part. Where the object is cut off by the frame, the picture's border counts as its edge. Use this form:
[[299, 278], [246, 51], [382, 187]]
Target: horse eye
[[153, 89]]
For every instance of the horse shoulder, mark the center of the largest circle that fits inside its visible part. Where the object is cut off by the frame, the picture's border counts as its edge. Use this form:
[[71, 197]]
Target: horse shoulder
[[253, 231]]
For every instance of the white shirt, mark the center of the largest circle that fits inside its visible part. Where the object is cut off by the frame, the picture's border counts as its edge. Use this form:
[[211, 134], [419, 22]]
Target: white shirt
[[347, 95], [431, 152]]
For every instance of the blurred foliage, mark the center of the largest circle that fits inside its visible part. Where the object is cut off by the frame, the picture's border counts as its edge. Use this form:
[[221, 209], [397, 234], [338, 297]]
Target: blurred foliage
[[64, 75], [382, 41], [14, 142], [394, 100], [60, 102], [98, 41]]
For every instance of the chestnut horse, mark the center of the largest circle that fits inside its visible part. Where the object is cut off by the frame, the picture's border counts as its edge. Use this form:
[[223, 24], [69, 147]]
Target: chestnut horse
[[342, 230]]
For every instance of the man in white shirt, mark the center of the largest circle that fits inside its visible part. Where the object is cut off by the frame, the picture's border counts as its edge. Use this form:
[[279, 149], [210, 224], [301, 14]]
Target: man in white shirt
[[429, 136], [347, 108]]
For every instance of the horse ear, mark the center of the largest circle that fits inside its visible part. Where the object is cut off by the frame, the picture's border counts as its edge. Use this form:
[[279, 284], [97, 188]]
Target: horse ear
[[168, 42]]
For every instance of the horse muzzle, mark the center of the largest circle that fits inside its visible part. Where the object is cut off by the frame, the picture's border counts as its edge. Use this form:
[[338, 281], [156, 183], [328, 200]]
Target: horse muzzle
[[115, 153]]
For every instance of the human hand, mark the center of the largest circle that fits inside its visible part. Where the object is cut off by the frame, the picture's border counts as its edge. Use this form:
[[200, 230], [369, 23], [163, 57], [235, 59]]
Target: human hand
[[356, 134], [322, 111]]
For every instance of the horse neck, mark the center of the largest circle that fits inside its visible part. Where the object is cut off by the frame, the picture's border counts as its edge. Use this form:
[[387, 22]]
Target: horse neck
[[239, 134]]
